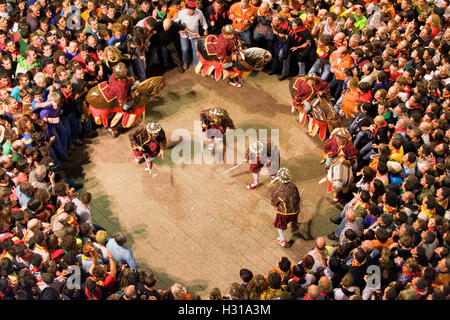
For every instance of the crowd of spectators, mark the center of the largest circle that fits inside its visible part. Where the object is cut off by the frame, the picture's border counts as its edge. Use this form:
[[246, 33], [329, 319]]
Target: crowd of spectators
[[387, 65]]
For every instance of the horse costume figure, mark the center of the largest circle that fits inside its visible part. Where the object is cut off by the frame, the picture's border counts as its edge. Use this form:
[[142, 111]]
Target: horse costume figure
[[339, 175], [340, 170], [310, 96], [223, 56], [103, 109]]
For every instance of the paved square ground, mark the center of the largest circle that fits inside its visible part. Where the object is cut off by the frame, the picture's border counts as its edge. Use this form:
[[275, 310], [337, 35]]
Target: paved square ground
[[192, 223]]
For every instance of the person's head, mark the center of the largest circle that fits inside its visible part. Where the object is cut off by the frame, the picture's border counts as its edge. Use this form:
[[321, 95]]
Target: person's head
[[121, 238], [228, 31], [246, 275], [274, 280], [297, 23], [347, 281]]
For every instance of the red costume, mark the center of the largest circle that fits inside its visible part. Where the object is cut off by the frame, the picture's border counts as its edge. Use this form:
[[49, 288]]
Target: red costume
[[216, 51], [304, 92], [221, 47], [116, 89], [151, 145], [332, 146]]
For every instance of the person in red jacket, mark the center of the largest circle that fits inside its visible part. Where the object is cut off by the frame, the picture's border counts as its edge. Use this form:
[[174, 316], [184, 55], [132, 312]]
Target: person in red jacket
[[226, 48], [340, 141], [119, 86], [307, 88], [148, 140], [262, 154]]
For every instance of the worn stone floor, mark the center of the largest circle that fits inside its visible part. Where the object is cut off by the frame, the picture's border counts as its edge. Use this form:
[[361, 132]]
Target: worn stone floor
[[191, 222]]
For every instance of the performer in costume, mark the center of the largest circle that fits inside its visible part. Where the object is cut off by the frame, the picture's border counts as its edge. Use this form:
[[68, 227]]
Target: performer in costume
[[286, 199], [340, 144], [149, 140], [340, 141], [307, 88], [226, 48], [119, 86], [262, 154], [215, 121]]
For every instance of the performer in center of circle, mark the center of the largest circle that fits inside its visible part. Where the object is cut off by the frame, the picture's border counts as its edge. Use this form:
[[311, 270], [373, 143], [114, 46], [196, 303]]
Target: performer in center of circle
[[286, 199], [148, 140], [262, 154], [215, 121]]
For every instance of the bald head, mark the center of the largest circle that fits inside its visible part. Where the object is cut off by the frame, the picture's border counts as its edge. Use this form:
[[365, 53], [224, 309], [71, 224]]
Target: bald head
[[313, 291], [367, 245], [350, 215], [325, 284], [320, 243], [130, 292]]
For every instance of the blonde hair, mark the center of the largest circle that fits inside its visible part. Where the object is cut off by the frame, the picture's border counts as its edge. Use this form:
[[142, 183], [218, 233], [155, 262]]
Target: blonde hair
[[117, 27], [117, 55], [436, 21], [353, 82]]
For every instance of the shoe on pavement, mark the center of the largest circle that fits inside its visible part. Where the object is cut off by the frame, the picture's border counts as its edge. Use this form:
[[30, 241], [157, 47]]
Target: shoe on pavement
[[236, 84], [281, 242], [281, 78], [335, 220], [252, 186], [332, 236]]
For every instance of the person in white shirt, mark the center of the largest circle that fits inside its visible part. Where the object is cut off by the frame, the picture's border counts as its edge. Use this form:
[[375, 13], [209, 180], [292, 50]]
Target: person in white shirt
[[192, 18], [82, 208]]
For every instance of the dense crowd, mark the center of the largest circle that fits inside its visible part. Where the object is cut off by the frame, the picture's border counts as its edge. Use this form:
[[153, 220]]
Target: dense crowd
[[387, 65]]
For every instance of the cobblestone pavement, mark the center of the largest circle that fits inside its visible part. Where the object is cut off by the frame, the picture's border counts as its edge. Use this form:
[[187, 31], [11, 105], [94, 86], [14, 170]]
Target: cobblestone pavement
[[191, 222]]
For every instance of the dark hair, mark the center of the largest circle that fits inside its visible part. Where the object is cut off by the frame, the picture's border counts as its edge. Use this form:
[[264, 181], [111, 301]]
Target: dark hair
[[387, 219], [69, 207], [350, 234], [284, 264], [391, 199], [246, 275], [382, 235], [274, 280]]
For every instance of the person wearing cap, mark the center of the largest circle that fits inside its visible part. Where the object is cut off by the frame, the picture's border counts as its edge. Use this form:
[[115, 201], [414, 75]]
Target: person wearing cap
[[262, 154], [215, 121], [193, 19], [148, 140], [286, 199]]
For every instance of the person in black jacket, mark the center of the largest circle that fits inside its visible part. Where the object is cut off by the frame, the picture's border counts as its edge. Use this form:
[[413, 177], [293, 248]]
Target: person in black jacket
[[379, 132], [262, 34], [298, 47], [216, 15]]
